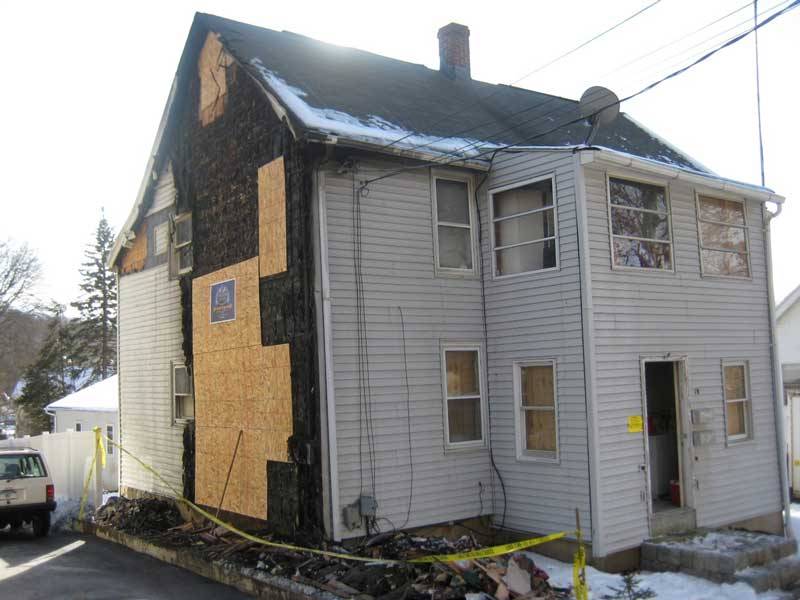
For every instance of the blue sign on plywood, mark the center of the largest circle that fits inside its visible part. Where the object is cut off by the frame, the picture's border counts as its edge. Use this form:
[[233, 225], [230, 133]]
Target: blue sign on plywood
[[223, 301]]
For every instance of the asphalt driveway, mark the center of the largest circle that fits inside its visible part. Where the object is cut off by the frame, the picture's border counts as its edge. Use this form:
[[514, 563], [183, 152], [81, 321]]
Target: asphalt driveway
[[67, 565]]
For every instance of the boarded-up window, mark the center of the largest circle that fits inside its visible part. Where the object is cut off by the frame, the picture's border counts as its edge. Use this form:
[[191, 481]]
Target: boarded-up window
[[737, 401], [524, 229], [453, 227], [640, 228], [463, 404], [182, 392], [723, 237], [535, 397]]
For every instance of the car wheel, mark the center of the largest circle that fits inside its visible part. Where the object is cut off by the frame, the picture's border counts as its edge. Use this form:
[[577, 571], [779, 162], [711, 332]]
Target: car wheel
[[41, 524]]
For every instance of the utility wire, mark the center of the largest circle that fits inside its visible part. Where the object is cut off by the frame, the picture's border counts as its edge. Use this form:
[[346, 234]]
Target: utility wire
[[645, 89], [586, 43], [497, 89], [552, 99], [671, 60], [758, 93], [675, 41], [408, 420]]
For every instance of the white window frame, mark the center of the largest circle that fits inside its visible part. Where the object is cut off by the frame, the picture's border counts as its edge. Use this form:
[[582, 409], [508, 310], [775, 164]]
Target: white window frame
[[745, 228], [176, 365], [473, 239], [748, 403], [156, 229], [476, 347], [175, 247], [492, 220], [611, 235], [110, 447], [523, 454]]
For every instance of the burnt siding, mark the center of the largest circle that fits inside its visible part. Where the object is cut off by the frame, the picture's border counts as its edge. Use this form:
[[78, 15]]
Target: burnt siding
[[216, 169]]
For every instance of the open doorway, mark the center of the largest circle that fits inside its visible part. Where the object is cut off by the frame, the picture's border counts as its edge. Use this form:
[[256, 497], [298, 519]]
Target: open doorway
[[663, 434]]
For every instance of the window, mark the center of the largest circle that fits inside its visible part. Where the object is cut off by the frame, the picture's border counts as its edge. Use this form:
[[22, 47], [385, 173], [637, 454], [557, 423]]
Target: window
[[737, 403], [181, 258], [453, 231], [182, 393], [463, 397], [78, 426], [110, 436], [524, 228], [723, 237], [160, 239], [640, 227], [20, 466], [535, 401]]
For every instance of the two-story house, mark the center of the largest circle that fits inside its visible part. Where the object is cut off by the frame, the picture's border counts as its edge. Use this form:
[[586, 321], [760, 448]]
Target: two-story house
[[385, 296]]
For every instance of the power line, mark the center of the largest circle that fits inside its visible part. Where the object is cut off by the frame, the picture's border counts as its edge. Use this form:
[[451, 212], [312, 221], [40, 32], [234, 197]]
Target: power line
[[647, 88], [552, 99], [497, 89], [758, 93], [587, 42], [676, 40], [679, 55]]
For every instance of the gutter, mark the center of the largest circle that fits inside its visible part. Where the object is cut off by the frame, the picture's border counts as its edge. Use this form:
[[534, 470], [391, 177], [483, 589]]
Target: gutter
[[709, 180], [777, 380]]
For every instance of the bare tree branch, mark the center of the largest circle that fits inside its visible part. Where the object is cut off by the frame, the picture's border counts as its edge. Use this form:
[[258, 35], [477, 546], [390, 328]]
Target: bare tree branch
[[19, 271]]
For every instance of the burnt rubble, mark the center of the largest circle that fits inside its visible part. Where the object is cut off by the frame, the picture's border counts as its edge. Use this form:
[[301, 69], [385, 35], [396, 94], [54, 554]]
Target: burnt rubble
[[501, 577]]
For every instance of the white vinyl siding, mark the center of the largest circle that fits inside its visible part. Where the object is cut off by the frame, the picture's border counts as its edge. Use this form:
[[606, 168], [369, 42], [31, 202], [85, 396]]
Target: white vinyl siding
[[679, 314], [161, 238], [398, 270], [150, 339], [536, 316]]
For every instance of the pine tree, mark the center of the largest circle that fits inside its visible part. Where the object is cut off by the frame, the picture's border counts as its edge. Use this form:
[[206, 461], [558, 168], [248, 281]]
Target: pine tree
[[96, 342], [50, 377]]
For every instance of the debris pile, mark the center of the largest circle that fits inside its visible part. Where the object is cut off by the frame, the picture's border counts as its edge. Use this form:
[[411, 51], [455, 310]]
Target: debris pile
[[502, 577], [140, 516]]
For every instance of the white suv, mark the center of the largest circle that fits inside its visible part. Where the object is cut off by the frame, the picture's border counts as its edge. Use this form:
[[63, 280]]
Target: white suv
[[27, 493]]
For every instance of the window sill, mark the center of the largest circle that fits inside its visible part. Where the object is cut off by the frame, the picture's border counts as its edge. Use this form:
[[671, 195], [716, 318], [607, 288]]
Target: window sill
[[726, 277], [464, 447], [736, 442], [642, 269], [181, 422], [447, 273], [533, 458]]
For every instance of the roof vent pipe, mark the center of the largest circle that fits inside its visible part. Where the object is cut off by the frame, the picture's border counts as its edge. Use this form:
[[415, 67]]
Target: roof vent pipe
[[454, 51]]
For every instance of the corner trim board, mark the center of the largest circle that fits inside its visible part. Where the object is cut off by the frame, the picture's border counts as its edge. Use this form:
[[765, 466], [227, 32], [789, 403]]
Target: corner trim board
[[587, 315]]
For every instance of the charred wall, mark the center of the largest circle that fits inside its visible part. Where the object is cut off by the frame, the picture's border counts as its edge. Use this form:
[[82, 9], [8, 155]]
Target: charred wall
[[216, 168]]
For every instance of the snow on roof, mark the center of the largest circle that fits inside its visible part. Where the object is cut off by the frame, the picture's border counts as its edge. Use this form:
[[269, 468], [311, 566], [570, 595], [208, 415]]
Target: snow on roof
[[102, 396]]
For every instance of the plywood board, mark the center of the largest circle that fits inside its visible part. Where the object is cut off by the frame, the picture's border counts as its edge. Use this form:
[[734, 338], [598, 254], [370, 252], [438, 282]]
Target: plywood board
[[212, 65], [272, 218]]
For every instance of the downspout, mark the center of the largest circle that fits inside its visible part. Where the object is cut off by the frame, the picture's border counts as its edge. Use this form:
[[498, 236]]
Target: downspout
[[587, 326], [777, 377]]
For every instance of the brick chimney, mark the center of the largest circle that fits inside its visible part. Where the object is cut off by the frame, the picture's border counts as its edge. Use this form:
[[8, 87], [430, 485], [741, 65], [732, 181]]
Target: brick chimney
[[454, 51]]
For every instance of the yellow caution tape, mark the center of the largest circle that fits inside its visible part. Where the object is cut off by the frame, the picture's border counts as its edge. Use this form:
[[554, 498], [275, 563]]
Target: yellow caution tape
[[86, 487], [99, 447], [488, 552], [482, 553], [579, 575]]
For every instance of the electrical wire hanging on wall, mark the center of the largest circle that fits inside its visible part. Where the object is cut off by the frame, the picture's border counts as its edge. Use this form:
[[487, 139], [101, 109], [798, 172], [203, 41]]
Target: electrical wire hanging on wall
[[365, 424]]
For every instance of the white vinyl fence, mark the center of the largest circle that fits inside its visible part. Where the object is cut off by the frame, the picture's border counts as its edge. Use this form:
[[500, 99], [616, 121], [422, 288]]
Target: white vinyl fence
[[69, 457]]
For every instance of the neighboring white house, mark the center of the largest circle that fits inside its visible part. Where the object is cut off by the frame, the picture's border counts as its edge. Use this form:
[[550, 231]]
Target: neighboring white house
[[94, 406], [787, 315]]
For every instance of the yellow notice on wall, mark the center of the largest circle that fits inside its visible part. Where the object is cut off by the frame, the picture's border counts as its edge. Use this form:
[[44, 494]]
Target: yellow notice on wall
[[635, 424]]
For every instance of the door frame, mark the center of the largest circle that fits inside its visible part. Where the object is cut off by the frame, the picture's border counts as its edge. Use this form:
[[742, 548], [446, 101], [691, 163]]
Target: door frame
[[683, 424]]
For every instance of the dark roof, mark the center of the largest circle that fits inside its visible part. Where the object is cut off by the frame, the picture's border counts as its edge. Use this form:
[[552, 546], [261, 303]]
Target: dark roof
[[374, 99]]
